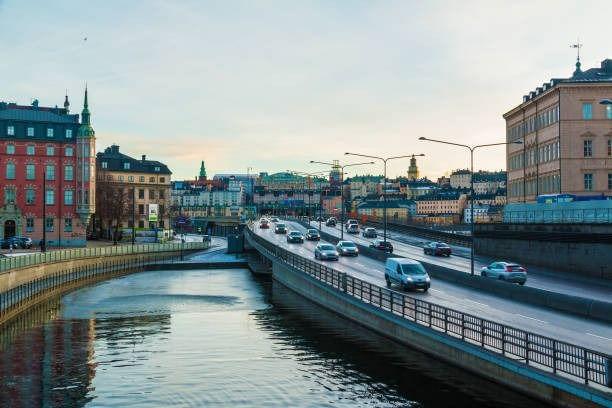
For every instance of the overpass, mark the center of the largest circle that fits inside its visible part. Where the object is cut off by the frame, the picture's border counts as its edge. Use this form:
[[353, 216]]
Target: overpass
[[506, 341]]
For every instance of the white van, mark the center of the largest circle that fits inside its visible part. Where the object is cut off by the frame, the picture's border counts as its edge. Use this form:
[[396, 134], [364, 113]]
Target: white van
[[352, 229], [407, 273]]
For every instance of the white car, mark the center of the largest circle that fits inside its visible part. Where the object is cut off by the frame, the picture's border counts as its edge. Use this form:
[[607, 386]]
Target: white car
[[347, 248], [506, 271], [325, 251]]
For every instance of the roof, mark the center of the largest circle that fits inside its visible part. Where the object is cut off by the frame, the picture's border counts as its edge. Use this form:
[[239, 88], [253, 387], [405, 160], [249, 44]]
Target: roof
[[485, 176], [12, 111], [115, 162], [460, 171], [448, 194], [390, 204]]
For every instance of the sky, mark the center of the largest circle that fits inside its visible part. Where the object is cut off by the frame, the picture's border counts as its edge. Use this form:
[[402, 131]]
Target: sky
[[271, 85]]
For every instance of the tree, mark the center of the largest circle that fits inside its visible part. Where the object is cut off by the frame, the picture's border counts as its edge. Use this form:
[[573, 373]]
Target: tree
[[112, 203]]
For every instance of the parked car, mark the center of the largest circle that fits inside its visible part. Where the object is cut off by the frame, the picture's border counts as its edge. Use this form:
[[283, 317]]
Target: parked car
[[369, 232], [325, 251], [295, 237], [505, 271], [12, 241], [263, 223], [319, 218], [280, 228], [24, 242], [313, 235], [331, 222], [407, 273], [347, 248], [381, 245], [350, 221], [437, 249], [274, 219], [352, 229]]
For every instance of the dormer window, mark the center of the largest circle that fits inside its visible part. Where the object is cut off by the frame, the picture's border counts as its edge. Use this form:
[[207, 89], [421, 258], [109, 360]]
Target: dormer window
[[10, 130], [30, 132], [68, 133], [105, 165], [49, 132], [157, 169], [126, 166]]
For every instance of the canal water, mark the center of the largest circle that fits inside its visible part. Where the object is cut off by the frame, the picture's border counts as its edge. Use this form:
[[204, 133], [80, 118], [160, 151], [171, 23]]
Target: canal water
[[216, 338]]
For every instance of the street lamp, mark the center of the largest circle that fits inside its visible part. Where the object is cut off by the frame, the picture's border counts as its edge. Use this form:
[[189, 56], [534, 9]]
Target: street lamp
[[341, 187], [471, 149], [384, 160]]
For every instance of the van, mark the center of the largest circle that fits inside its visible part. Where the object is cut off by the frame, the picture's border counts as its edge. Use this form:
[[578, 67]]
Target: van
[[407, 273], [352, 229]]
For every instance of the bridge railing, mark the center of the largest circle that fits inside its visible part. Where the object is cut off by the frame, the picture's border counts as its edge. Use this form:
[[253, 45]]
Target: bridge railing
[[561, 358], [22, 261]]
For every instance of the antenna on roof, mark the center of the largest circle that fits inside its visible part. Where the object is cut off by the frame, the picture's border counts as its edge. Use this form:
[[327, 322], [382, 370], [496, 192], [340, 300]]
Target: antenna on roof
[[577, 46]]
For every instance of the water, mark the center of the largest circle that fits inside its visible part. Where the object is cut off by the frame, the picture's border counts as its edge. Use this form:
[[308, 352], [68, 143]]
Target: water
[[216, 338]]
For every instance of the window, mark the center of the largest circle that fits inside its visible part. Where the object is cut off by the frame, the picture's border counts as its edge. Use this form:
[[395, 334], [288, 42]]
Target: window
[[126, 166], [609, 147], [50, 197], [49, 224], [30, 196], [151, 179], [151, 194], [131, 179], [50, 150], [588, 181], [30, 150], [29, 224], [10, 130], [141, 209], [157, 169], [30, 171], [161, 194], [68, 224], [587, 111], [69, 151], [49, 172], [142, 179], [10, 149], [109, 177], [30, 132], [141, 193], [609, 181], [141, 224], [68, 197], [608, 111], [120, 177], [68, 133], [588, 148], [10, 171], [68, 173], [105, 165], [9, 195], [162, 179], [49, 132]]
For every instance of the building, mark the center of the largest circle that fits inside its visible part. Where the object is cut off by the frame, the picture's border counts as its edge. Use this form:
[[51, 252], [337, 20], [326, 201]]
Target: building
[[146, 184], [397, 210], [412, 189], [47, 172], [481, 213], [565, 131], [486, 182], [362, 186], [211, 201], [413, 170], [460, 178], [444, 202], [443, 182]]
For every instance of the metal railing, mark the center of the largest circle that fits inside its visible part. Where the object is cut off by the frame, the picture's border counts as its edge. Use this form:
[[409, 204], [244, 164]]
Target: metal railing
[[21, 261], [559, 357]]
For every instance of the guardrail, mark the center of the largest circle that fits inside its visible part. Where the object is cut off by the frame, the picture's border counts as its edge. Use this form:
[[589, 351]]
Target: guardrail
[[559, 357], [21, 261]]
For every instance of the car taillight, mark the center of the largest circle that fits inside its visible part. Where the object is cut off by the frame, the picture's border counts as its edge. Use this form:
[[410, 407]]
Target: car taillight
[[508, 269]]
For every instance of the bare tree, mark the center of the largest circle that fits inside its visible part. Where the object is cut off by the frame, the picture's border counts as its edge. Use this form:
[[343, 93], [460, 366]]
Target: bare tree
[[112, 203]]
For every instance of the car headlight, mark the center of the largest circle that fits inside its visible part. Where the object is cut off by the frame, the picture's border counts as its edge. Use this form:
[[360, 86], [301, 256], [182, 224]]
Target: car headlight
[[427, 279], [408, 279]]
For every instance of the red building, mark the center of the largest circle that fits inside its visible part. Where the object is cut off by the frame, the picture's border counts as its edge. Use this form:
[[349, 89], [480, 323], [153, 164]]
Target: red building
[[47, 173]]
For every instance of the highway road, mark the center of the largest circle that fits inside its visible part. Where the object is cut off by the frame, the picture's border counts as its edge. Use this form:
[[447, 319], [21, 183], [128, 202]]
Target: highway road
[[587, 333], [541, 278]]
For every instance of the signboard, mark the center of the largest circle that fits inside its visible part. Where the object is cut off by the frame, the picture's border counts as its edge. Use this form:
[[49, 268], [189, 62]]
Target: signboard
[[153, 212]]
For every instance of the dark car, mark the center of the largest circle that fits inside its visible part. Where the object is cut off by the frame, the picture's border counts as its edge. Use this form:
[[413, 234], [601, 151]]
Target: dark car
[[16, 242], [331, 222], [437, 249], [313, 235], [382, 245], [295, 237], [280, 228], [24, 242]]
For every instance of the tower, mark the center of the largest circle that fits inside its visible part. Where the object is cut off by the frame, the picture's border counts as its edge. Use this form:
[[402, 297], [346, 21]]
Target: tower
[[202, 175], [86, 161], [66, 103], [413, 170]]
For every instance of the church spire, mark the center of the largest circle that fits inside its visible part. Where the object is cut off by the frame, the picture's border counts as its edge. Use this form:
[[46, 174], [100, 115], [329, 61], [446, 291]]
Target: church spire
[[86, 130], [66, 103], [202, 175], [577, 46]]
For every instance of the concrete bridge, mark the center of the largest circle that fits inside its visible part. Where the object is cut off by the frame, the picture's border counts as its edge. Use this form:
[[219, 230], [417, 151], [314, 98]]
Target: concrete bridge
[[553, 370]]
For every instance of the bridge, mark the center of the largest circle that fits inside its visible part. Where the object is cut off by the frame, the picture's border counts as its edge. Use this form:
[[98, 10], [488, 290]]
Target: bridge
[[543, 351]]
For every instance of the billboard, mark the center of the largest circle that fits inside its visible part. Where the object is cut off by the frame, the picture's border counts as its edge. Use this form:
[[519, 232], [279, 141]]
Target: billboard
[[153, 212]]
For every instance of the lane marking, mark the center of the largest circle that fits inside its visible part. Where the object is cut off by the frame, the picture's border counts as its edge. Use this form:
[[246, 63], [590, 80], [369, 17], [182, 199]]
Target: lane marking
[[478, 303], [601, 337], [436, 290], [532, 318]]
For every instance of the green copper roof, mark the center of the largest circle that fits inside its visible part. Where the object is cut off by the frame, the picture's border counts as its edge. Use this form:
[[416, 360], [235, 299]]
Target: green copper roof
[[86, 130]]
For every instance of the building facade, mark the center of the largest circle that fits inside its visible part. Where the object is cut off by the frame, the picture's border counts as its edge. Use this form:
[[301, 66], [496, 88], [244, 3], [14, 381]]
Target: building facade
[[460, 178], [565, 130], [48, 173], [144, 182]]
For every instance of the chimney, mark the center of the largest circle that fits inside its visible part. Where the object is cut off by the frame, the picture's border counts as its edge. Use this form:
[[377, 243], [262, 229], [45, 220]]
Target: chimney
[[144, 157]]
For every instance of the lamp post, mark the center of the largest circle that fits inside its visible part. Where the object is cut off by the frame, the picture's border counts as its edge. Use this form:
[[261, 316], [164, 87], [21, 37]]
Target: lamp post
[[471, 149], [341, 187], [384, 160], [43, 247]]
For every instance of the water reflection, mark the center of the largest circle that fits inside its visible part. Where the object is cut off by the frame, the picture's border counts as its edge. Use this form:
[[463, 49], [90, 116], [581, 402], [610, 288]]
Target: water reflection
[[216, 338]]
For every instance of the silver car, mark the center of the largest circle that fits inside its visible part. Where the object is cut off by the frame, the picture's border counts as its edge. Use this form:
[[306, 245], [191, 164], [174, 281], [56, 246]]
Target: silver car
[[326, 252], [347, 248], [506, 271]]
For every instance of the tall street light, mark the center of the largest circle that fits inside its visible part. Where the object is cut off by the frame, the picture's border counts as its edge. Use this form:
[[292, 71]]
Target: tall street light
[[471, 149], [384, 160], [341, 187]]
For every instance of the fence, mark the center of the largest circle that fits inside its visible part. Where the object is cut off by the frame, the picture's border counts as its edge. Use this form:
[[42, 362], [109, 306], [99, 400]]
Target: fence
[[569, 360], [21, 261]]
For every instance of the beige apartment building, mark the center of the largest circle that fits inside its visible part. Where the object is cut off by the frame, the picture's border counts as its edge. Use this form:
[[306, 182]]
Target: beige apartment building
[[147, 180], [565, 127]]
